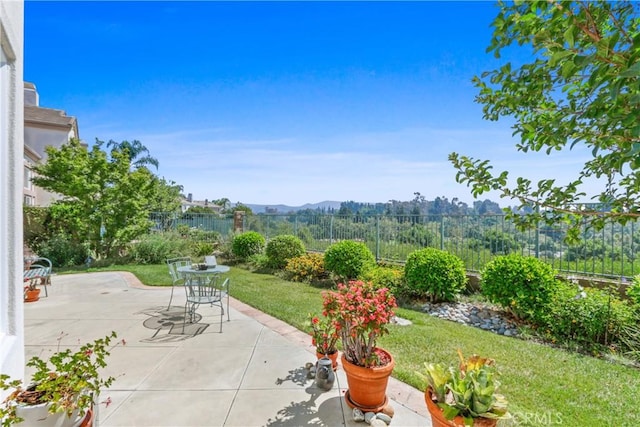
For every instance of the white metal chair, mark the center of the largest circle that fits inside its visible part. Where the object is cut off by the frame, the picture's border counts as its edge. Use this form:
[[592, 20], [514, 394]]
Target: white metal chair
[[176, 276], [210, 260], [211, 289]]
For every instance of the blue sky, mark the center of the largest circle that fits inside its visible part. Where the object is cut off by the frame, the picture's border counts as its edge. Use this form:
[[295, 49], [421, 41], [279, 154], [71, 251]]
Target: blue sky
[[283, 102]]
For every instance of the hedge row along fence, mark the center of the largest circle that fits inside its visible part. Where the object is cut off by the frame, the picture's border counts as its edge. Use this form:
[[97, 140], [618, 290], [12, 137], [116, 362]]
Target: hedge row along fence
[[610, 253]]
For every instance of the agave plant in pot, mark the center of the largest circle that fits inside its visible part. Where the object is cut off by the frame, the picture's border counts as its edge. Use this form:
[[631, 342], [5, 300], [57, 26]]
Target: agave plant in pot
[[64, 389], [361, 313], [466, 395]]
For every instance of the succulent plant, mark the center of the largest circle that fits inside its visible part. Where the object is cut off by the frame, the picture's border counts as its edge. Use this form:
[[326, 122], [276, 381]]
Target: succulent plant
[[468, 390]]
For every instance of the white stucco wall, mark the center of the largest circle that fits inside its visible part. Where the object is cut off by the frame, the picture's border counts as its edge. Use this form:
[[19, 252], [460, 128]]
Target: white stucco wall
[[37, 139], [11, 174]]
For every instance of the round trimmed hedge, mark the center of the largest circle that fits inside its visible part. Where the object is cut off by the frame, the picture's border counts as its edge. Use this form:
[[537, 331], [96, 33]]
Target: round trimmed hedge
[[282, 248], [434, 274], [348, 259], [521, 284], [247, 244]]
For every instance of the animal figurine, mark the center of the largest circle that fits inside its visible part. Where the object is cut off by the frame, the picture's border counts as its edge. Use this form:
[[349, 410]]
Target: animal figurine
[[325, 377]]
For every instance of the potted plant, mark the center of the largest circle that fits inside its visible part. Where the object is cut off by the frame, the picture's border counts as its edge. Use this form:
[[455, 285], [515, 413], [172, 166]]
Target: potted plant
[[465, 395], [361, 313], [64, 389], [324, 336], [31, 291]]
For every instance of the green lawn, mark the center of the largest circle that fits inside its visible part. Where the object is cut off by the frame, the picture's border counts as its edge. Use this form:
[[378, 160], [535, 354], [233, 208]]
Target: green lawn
[[544, 385]]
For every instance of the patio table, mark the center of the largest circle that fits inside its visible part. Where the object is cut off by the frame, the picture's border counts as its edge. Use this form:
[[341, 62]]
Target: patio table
[[211, 270]]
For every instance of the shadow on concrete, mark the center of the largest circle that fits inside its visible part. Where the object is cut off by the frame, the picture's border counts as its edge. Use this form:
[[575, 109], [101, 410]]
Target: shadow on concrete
[[170, 325]]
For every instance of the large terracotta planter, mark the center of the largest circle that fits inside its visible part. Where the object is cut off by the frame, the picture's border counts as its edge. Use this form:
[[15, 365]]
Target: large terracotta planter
[[332, 356], [438, 420], [367, 386]]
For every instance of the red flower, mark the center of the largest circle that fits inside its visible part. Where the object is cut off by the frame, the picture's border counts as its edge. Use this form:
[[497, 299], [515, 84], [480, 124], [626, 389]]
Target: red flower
[[324, 334]]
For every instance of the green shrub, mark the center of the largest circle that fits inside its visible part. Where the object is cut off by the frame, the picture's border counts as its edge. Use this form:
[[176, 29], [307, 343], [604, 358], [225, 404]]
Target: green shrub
[[630, 342], [199, 235], [258, 262], [633, 292], [348, 259], [282, 248], [434, 274], [306, 268], [183, 230], [157, 247], [63, 252], [246, 244], [386, 277], [200, 249], [586, 316], [522, 285]]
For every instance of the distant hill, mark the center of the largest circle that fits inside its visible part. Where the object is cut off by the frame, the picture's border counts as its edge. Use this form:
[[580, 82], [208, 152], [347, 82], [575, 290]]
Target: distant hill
[[283, 209]]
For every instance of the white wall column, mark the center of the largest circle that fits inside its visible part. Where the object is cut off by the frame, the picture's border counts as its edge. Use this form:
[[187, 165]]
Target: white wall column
[[11, 176]]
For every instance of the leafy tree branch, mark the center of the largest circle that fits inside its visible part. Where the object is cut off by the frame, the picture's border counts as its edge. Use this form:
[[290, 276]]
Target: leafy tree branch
[[582, 88]]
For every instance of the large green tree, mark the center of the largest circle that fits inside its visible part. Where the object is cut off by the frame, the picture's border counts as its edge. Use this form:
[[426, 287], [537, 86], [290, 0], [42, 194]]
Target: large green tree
[[111, 200], [138, 154], [581, 88]]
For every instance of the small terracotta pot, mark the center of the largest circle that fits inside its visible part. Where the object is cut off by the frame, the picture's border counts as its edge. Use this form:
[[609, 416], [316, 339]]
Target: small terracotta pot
[[333, 356], [438, 420], [88, 419], [367, 386], [32, 295]]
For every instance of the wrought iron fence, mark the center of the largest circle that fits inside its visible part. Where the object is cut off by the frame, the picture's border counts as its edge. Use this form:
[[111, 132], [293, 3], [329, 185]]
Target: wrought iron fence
[[204, 224], [476, 239]]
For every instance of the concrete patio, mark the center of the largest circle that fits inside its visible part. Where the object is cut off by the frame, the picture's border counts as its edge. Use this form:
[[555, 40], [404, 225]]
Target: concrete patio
[[251, 374]]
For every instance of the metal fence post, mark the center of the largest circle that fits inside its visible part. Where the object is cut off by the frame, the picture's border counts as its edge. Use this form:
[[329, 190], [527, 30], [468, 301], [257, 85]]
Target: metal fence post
[[377, 237], [331, 231]]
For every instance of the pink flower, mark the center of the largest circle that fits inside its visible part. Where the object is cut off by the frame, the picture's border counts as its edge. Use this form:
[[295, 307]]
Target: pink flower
[[361, 313]]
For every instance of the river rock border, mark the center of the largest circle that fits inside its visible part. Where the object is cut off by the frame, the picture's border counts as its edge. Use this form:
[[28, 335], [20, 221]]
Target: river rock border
[[480, 316]]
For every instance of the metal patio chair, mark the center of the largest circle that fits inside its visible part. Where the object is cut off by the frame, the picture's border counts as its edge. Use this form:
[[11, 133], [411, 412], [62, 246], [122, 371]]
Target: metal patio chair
[[211, 289], [43, 268], [176, 276]]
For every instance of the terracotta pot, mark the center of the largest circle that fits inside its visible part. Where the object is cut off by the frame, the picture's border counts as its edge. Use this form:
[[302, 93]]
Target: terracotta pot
[[367, 386], [438, 420], [31, 295], [88, 419], [333, 356]]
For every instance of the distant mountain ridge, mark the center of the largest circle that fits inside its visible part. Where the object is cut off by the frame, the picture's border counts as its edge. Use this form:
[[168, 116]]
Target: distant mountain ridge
[[417, 206], [283, 209]]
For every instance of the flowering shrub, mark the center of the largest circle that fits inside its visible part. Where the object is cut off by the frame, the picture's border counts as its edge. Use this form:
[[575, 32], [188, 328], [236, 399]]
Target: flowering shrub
[[324, 334], [361, 313], [69, 380], [391, 277], [306, 268]]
